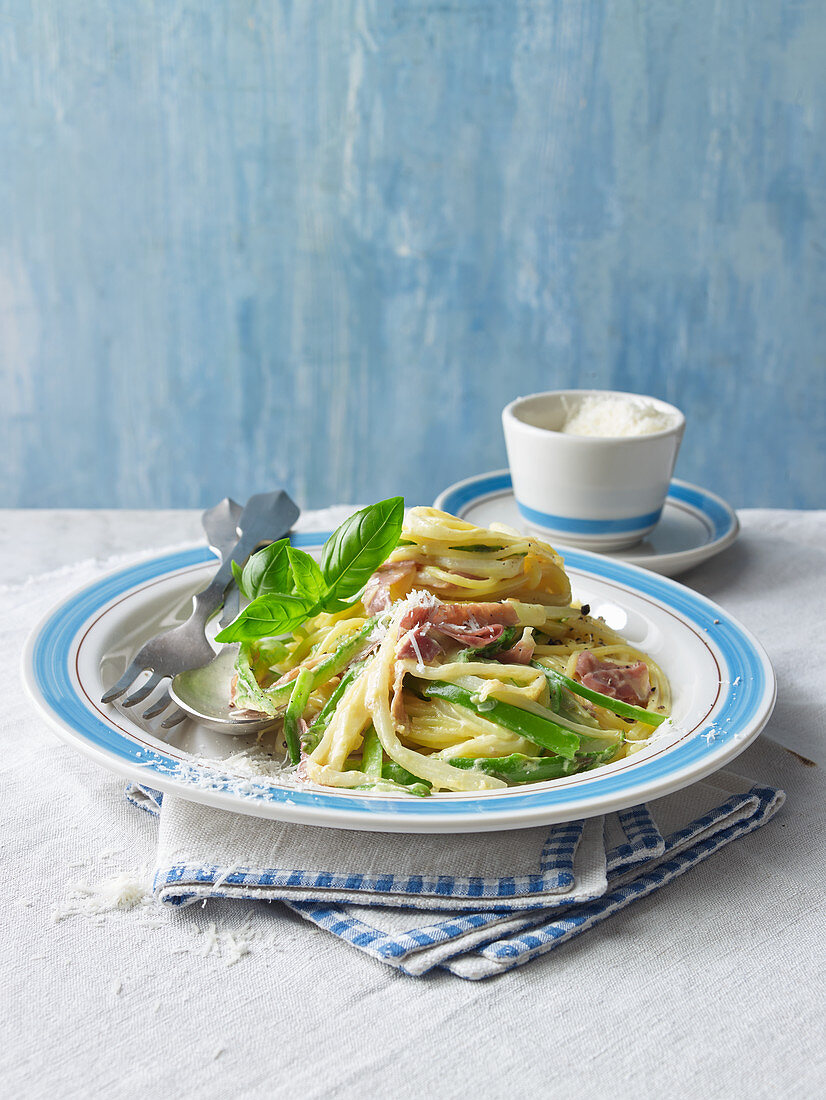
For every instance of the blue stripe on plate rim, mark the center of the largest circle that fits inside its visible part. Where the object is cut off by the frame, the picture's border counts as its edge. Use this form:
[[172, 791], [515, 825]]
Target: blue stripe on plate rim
[[719, 518], [739, 717]]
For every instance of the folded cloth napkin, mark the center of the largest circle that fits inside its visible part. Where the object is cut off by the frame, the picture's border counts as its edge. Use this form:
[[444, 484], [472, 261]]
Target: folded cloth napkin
[[474, 904]]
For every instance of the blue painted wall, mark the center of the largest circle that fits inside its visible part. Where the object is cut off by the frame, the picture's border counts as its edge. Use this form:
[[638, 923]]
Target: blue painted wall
[[322, 244]]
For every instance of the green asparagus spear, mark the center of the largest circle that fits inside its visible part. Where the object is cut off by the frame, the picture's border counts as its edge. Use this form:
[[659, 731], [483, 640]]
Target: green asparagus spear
[[420, 789], [273, 700], [316, 730], [518, 768], [535, 727], [372, 754], [398, 774], [624, 710], [392, 777], [301, 688]]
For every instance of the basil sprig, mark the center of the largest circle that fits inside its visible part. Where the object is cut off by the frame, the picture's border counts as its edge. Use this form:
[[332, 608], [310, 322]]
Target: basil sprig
[[285, 585], [266, 571]]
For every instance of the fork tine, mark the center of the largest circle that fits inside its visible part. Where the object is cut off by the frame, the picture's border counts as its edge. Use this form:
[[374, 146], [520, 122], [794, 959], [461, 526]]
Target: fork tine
[[174, 719], [124, 683], [157, 707], [143, 691]]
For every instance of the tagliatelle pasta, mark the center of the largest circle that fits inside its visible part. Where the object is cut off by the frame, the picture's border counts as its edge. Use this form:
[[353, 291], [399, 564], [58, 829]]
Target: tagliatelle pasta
[[462, 666]]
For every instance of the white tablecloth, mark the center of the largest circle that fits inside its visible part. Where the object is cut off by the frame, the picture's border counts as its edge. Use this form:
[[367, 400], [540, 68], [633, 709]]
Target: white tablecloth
[[713, 987]]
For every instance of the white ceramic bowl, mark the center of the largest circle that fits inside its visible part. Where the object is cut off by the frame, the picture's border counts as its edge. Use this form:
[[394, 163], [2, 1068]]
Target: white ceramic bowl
[[598, 492]]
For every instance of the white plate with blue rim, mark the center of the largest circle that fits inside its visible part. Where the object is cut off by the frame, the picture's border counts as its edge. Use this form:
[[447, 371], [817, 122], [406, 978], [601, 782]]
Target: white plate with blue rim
[[694, 526], [722, 682]]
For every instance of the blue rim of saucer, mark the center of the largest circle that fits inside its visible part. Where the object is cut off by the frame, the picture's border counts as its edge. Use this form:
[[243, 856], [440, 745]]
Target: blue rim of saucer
[[716, 515], [747, 692]]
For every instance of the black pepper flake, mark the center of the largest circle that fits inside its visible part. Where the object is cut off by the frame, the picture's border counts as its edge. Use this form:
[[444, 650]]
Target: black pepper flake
[[585, 609]]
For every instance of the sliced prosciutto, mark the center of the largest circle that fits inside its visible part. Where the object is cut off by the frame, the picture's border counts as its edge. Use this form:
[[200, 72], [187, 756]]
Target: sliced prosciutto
[[519, 654], [419, 645], [628, 683], [474, 625], [377, 592]]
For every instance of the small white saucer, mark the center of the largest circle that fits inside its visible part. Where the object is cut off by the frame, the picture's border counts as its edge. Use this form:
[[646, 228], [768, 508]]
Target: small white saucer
[[695, 524]]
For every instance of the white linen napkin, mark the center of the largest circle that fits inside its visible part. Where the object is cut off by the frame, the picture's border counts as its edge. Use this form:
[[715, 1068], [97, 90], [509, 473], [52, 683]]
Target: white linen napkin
[[475, 904]]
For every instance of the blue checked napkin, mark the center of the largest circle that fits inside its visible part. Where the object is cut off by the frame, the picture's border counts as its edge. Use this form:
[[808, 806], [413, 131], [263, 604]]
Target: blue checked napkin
[[474, 904]]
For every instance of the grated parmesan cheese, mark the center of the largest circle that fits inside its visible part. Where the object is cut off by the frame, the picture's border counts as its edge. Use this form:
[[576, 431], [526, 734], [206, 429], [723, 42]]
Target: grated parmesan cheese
[[612, 417], [124, 891], [131, 893]]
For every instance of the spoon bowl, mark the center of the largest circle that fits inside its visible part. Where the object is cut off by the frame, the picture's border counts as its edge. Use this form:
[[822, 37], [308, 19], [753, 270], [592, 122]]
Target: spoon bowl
[[204, 694]]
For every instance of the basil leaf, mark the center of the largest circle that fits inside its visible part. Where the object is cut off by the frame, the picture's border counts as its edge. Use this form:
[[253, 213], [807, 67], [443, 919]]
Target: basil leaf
[[238, 574], [358, 547], [268, 570], [309, 581], [267, 616]]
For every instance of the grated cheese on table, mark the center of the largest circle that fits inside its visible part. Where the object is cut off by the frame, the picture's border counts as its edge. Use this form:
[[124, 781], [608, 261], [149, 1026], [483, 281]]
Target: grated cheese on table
[[128, 896], [125, 891]]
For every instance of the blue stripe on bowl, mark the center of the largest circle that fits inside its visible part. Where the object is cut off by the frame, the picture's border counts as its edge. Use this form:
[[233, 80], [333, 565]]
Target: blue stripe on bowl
[[588, 526], [743, 701], [718, 516]]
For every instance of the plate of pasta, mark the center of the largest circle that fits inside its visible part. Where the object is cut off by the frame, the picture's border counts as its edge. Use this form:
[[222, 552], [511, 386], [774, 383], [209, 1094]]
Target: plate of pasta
[[422, 674]]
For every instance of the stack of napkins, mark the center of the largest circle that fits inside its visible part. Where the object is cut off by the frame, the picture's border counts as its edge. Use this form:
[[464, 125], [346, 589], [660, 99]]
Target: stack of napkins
[[475, 904]]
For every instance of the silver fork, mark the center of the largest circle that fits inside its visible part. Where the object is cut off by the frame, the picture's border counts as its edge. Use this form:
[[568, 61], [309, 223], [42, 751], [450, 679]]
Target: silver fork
[[220, 524], [266, 517]]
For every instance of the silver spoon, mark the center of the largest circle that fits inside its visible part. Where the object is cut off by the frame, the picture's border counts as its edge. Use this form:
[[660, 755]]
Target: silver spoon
[[204, 693]]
